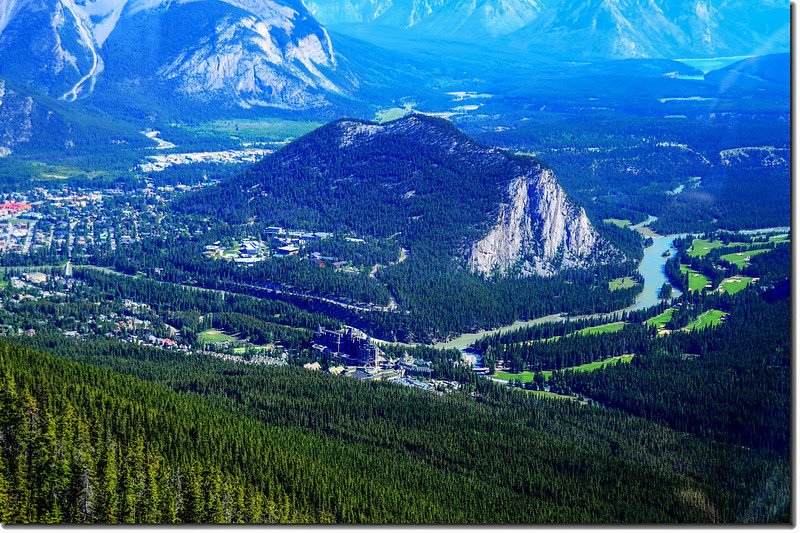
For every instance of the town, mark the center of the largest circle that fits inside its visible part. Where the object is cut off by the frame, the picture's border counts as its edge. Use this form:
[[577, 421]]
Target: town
[[77, 224]]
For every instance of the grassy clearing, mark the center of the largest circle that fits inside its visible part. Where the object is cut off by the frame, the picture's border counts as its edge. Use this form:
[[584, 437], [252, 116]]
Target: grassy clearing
[[661, 320], [711, 318], [619, 222], [592, 330], [527, 376], [701, 247], [735, 284], [742, 259], [235, 249], [779, 238], [213, 336], [394, 113], [599, 330], [621, 283], [697, 281], [256, 130]]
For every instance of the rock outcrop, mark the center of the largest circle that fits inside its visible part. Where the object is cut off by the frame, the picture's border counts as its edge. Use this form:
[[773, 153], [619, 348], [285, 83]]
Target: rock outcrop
[[540, 232]]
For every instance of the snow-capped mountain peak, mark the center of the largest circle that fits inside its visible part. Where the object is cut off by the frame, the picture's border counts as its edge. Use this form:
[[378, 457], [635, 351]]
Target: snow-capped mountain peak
[[244, 52]]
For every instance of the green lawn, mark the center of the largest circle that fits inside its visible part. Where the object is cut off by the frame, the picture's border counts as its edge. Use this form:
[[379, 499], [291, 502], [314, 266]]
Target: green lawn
[[393, 113], [621, 283], [735, 284], [603, 328], [211, 336], [524, 377], [527, 376], [741, 259], [619, 222], [697, 281], [701, 247], [779, 238], [596, 365], [712, 317], [661, 320], [592, 330], [257, 130]]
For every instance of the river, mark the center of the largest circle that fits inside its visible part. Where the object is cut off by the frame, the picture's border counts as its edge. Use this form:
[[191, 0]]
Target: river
[[651, 269]]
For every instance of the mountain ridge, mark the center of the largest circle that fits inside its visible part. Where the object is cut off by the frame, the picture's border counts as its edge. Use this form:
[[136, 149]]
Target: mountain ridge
[[586, 30], [236, 53], [444, 194]]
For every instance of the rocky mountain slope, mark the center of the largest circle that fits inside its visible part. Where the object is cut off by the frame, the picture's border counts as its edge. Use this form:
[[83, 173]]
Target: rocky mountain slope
[[539, 230], [34, 122], [442, 18], [237, 53], [420, 180], [593, 29]]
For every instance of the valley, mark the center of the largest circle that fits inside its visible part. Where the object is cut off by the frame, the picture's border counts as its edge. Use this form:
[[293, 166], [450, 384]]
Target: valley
[[395, 262]]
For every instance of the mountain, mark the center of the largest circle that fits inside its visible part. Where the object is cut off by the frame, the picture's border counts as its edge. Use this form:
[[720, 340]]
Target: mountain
[[441, 18], [229, 53], [420, 180], [589, 30], [618, 29], [32, 122]]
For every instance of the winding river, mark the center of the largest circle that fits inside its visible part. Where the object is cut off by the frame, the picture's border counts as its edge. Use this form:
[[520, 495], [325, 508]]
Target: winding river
[[651, 269]]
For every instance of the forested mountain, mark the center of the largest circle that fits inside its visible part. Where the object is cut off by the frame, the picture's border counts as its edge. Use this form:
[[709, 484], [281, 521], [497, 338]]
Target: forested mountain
[[31, 121], [422, 180], [230, 445]]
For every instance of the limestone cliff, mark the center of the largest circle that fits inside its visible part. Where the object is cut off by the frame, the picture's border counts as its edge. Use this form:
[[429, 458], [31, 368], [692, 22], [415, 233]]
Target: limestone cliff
[[540, 231]]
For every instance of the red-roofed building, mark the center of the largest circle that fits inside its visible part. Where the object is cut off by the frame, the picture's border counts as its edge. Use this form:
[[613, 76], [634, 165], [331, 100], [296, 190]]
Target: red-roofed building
[[13, 208]]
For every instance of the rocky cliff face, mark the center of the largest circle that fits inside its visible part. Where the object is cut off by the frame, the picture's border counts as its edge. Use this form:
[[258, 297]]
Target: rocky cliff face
[[15, 119], [540, 232], [244, 53]]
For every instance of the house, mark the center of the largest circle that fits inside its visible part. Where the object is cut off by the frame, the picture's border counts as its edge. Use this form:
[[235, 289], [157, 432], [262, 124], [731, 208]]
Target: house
[[35, 277], [288, 250], [250, 248], [275, 230]]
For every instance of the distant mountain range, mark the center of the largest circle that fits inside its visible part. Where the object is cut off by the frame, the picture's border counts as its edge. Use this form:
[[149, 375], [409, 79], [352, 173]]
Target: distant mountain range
[[233, 53], [244, 54], [582, 29], [422, 181]]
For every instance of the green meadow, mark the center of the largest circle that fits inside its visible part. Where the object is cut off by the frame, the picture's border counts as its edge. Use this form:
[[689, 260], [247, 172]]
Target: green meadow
[[212, 336], [697, 281], [742, 259], [619, 222], [528, 376], [621, 283], [661, 320], [735, 284], [711, 318]]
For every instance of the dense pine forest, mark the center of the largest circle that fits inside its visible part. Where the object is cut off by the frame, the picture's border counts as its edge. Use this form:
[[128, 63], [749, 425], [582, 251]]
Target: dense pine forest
[[181, 440]]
